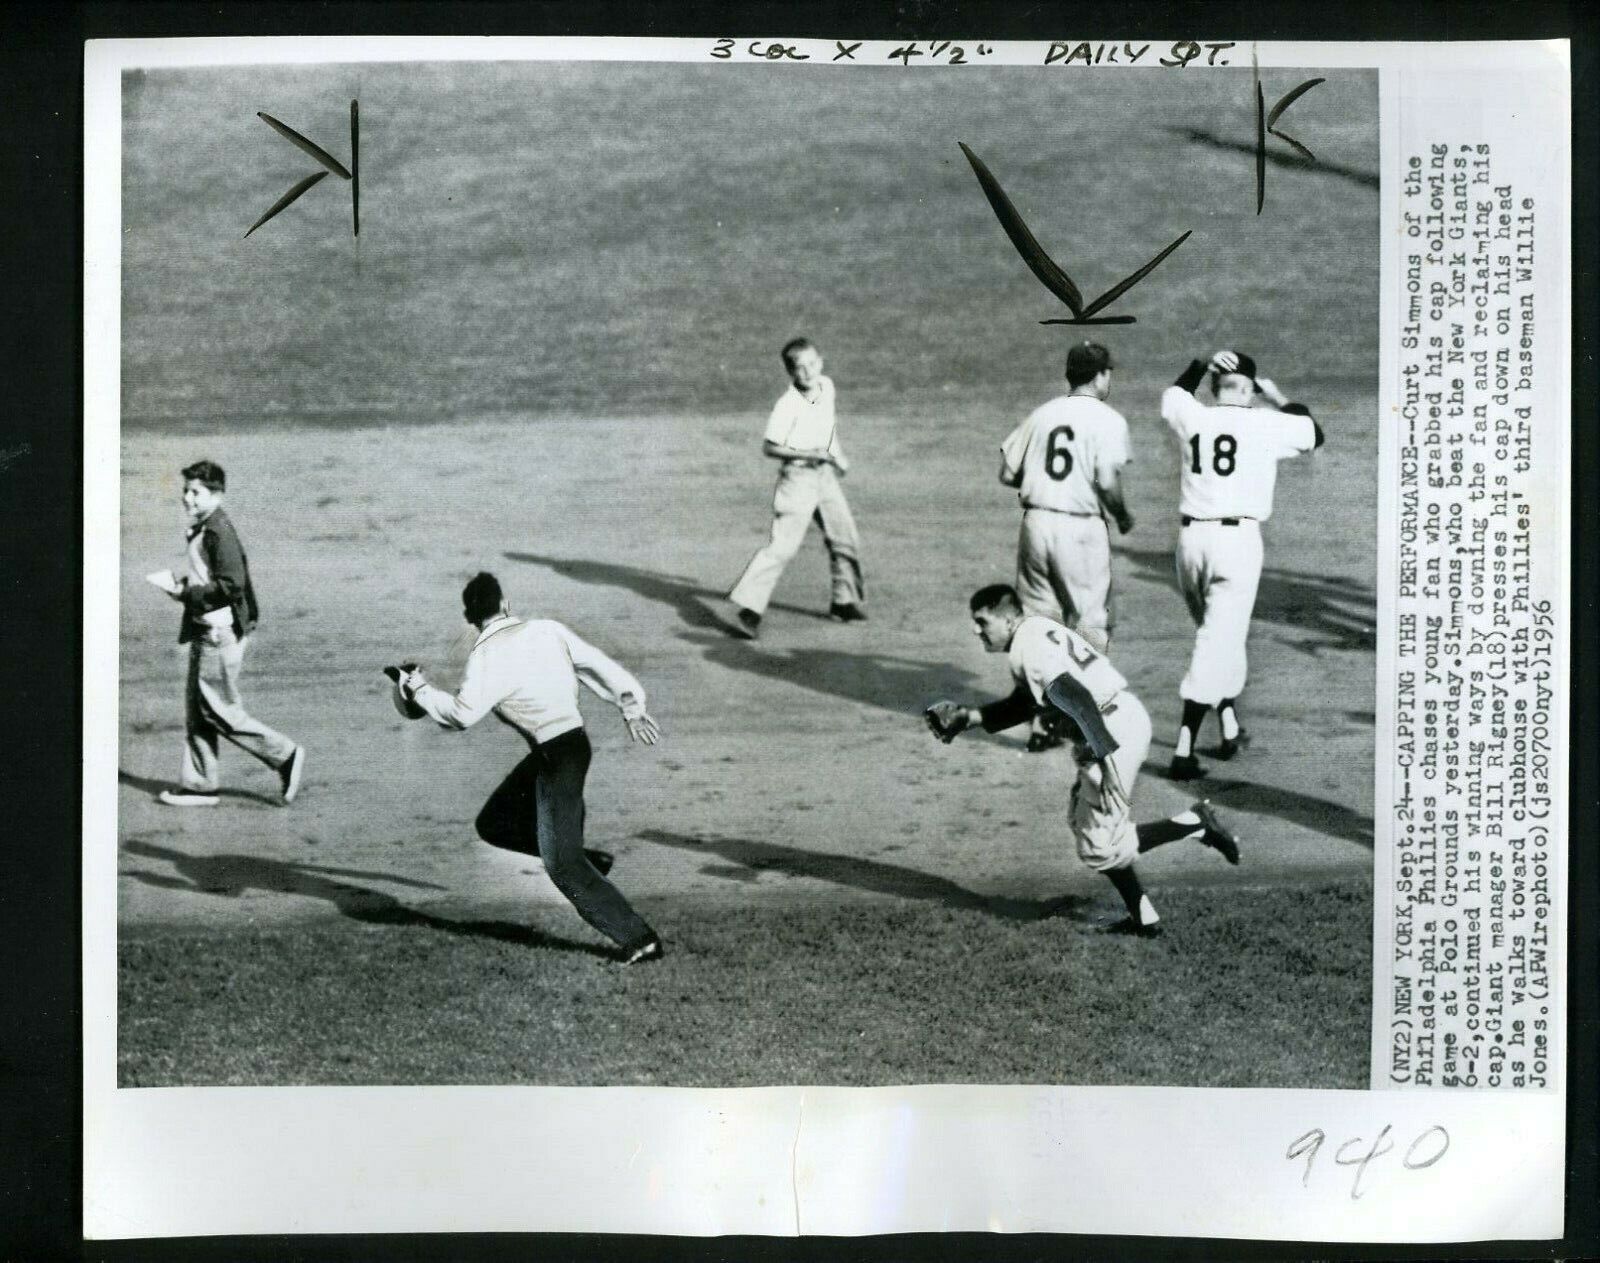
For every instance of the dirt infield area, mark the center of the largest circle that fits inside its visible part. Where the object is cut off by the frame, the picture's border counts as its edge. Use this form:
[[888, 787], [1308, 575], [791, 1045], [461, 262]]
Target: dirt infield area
[[795, 778]]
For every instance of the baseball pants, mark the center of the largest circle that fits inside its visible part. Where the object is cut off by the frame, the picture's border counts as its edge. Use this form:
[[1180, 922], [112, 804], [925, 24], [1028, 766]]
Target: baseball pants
[[213, 709], [538, 810], [1064, 570], [1219, 570], [805, 493], [1102, 821]]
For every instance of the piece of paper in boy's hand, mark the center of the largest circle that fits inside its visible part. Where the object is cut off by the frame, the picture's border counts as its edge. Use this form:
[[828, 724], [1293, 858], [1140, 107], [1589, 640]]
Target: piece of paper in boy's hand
[[165, 580]]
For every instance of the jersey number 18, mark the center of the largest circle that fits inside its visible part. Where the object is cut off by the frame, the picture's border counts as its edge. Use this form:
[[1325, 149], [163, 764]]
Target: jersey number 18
[[1224, 449]]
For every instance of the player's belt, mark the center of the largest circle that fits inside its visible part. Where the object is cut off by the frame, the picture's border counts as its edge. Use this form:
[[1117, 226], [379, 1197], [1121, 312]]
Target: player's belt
[[1042, 508], [1222, 521]]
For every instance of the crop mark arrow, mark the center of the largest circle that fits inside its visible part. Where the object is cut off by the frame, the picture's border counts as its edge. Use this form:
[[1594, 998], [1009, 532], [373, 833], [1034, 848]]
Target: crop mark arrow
[[1049, 272], [326, 159]]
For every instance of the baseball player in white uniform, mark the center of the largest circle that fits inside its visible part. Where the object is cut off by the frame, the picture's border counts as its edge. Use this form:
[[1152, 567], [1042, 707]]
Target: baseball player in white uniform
[[1230, 455], [803, 434], [1058, 671], [1065, 460]]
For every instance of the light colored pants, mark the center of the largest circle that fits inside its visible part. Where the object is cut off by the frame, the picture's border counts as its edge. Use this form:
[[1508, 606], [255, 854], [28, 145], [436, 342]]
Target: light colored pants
[[1219, 570], [214, 709], [1102, 822], [1064, 571], [805, 494]]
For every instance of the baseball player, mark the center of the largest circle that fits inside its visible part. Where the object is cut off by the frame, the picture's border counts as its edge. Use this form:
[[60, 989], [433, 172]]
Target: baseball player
[[1057, 670], [1065, 460], [803, 435], [527, 673], [1230, 455]]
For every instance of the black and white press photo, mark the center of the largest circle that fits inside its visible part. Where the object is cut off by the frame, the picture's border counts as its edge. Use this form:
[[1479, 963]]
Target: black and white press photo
[[655, 583]]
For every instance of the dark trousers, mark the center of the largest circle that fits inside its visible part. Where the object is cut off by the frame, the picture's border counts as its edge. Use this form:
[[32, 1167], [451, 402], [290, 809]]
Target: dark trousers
[[538, 810]]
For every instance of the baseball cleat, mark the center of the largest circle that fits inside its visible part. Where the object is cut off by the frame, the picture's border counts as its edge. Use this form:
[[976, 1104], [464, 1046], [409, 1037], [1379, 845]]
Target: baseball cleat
[[602, 860], [291, 773], [749, 624], [847, 613], [1039, 742], [650, 949], [1129, 928], [1184, 767], [187, 798], [1232, 745], [1221, 839]]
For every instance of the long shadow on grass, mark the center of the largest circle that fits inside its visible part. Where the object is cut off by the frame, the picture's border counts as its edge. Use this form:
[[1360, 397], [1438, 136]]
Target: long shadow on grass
[[902, 685], [1319, 815], [863, 874], [232, 875], [1340, 614], [154, 787]]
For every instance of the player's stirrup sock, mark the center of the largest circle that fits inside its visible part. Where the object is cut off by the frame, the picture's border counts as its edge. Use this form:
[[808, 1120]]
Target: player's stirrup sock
[[1156, 833], [1128, 885], [1229, 719], [1194, 714]]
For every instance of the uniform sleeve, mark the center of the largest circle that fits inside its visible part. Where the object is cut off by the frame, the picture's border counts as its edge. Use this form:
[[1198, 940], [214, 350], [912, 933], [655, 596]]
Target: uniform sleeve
[[1180, 410], [780, 423], [1296, 432], [1008, 712], [603, 676], [1114, 449], [479, 694], [1012, 452]]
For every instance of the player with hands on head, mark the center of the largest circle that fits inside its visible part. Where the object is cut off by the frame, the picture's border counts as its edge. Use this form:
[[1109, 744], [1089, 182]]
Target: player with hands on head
[[527, 672], [1230, 452], [1058, 672], [803, 435], [1066, 460]]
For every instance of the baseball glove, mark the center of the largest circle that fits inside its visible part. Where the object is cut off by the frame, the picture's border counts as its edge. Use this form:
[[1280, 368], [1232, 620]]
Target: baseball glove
[[946, 720], [401, 693]]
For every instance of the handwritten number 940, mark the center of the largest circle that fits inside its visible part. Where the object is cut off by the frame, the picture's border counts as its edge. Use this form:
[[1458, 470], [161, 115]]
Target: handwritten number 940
[[1424, 1151]]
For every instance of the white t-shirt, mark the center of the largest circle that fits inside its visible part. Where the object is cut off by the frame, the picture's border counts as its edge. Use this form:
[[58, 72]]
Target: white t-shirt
[[1042, 649], [1231, 454], [804, 423], [1066, 446]]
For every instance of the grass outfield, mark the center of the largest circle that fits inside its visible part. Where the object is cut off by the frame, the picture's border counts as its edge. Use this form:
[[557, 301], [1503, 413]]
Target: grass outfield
[[1250, 987]]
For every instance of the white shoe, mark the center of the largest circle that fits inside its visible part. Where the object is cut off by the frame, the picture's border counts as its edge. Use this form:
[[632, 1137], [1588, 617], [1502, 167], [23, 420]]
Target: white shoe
[[187, 798], [291, 772]]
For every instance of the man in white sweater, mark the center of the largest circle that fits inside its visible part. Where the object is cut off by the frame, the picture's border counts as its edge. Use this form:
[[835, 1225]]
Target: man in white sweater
[[527, 674]]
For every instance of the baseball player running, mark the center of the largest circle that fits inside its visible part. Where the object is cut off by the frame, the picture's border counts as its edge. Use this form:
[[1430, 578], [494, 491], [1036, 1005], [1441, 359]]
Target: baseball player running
[[527, 673], [1057, 670], [803, 435], [1066, 460], [1230, 455]]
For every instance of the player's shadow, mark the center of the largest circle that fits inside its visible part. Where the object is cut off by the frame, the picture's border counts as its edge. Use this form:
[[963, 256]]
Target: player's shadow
[[752, 858], [1340, 614], [902, 685], [230, 876], [1284, 159], [678, 591], [154, 787], [1319, 815]]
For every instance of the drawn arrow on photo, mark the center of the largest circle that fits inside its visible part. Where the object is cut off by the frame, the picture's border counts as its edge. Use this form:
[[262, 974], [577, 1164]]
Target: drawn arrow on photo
[[1049, 272], [332, 164]]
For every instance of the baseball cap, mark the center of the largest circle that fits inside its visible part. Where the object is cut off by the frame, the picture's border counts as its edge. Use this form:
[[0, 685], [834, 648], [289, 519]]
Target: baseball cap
[[1247, 365], [1086, 360]]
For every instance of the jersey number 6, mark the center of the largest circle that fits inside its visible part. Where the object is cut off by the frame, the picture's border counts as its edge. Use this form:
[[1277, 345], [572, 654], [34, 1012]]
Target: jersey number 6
[[1224, 449], [1057, 455]]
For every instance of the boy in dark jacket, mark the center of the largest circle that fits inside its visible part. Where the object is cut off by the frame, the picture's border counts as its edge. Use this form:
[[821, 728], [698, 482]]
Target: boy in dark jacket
[[219, 612]]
